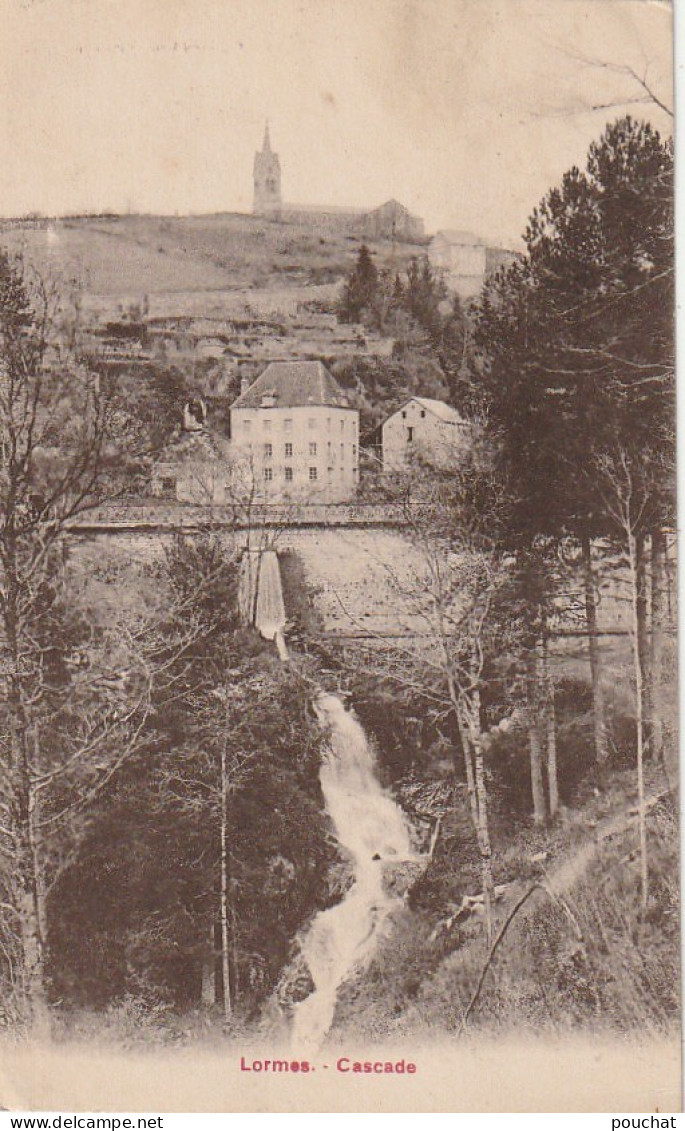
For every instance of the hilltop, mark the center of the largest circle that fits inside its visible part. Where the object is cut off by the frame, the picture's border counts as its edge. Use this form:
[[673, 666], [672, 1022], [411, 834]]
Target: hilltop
[[214, 297], [126, 256]]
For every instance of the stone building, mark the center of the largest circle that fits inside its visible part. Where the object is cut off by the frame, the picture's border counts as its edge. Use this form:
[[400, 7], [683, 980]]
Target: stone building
[[466, 261], [296, 435], [390, 221], [267, 180], [425, 429], [196, 468]]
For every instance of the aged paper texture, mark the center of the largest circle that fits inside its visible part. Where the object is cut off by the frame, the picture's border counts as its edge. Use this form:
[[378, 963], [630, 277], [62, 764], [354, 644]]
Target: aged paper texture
[[338, 713]]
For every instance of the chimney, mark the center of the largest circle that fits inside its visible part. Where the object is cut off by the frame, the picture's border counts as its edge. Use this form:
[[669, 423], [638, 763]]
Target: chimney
[[244, 384]]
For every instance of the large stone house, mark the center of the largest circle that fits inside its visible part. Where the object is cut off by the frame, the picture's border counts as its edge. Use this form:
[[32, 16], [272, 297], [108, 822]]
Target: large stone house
[[423, 429], [295, 433], [294, 436], [465, 261]]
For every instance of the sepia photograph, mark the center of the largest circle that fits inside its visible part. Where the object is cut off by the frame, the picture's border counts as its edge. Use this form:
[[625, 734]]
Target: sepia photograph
[[338, 583]]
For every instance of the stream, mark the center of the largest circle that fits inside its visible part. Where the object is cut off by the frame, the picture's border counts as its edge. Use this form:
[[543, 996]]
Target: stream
[[370, 828]]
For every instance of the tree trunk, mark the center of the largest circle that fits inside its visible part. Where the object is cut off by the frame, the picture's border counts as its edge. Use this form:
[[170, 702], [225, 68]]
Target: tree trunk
[[536, 782], [635, 582], [435, 836], [484, 845], [468, 767], [467, 713], [25, 884], [535, 737], [208, 996], [642, 630], [657, 649], [483, 826], [598, 708], [225, 929], [550, 729], [33, 979], [465, 739]]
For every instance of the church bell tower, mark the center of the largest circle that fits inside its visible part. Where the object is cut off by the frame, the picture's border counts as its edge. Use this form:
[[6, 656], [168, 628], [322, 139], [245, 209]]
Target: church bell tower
[[267, 180]]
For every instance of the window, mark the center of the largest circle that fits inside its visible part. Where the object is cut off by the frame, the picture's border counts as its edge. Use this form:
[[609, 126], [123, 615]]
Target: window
[[268, 474], [288, 450], [288, 474], [247, 425], [312, 448], [328, 423], [288, 424], [313, 474], [342, 425], [342, 453], [354, 450], [311, 423], [410, 435], [404, 415], [168, 484], [268, 451], [423, 413], [267, 424]]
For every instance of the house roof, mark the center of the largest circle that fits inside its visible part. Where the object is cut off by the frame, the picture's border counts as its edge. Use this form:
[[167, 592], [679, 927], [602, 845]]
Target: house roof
[[463, 239], [326, 209], [443, 411], [392, 203], [294, 384]]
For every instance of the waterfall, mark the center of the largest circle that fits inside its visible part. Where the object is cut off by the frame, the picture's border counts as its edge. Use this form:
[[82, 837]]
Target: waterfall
[[373, 829], [270, 610], [367, 823]]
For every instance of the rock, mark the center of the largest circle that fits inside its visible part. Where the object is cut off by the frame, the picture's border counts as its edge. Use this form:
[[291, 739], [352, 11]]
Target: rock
[[399, 875], [295, 983]]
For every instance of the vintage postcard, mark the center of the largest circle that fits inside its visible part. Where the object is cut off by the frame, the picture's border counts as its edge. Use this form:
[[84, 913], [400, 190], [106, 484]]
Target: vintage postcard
[[338, 582]]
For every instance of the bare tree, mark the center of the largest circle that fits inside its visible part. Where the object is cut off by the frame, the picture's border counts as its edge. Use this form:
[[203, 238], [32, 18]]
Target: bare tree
[[627, 489], [445, 606], [76, 693]]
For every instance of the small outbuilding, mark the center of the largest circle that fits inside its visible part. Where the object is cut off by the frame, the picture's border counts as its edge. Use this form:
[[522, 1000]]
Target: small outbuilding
[[424, 429]]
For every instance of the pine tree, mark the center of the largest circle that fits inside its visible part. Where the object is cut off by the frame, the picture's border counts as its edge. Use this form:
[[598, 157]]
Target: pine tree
[[574, 349]]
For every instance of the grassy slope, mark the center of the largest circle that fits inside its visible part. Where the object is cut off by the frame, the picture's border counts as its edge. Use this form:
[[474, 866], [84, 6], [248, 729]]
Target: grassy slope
[[148, 254], [576, 956]]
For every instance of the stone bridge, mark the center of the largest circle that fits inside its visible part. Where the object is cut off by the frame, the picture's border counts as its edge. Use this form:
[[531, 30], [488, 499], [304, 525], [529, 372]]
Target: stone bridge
[[149, 515], [364, 569]]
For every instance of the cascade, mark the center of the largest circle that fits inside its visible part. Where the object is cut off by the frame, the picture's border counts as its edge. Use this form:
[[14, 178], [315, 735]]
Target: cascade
[[368, 825], [269, 609], [373, 829]]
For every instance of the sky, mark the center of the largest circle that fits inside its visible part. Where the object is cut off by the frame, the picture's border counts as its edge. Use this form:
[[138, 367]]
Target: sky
[[467, 111]]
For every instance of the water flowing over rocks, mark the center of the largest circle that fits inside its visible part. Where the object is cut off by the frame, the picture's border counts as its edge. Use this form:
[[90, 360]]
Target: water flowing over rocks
[[371, 827]]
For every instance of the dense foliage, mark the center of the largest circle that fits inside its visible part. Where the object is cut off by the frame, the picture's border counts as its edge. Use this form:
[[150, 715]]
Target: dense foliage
[[150, 867]]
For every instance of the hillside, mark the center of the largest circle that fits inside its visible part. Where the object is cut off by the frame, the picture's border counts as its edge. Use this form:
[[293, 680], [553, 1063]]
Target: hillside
[[139, 255]]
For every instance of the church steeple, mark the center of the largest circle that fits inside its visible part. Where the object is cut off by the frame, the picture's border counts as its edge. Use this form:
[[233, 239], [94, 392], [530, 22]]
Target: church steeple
[[267, 179]]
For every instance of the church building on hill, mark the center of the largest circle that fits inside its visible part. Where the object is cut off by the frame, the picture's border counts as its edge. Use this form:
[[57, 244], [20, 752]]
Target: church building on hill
[[267, 180], [390, 220]]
